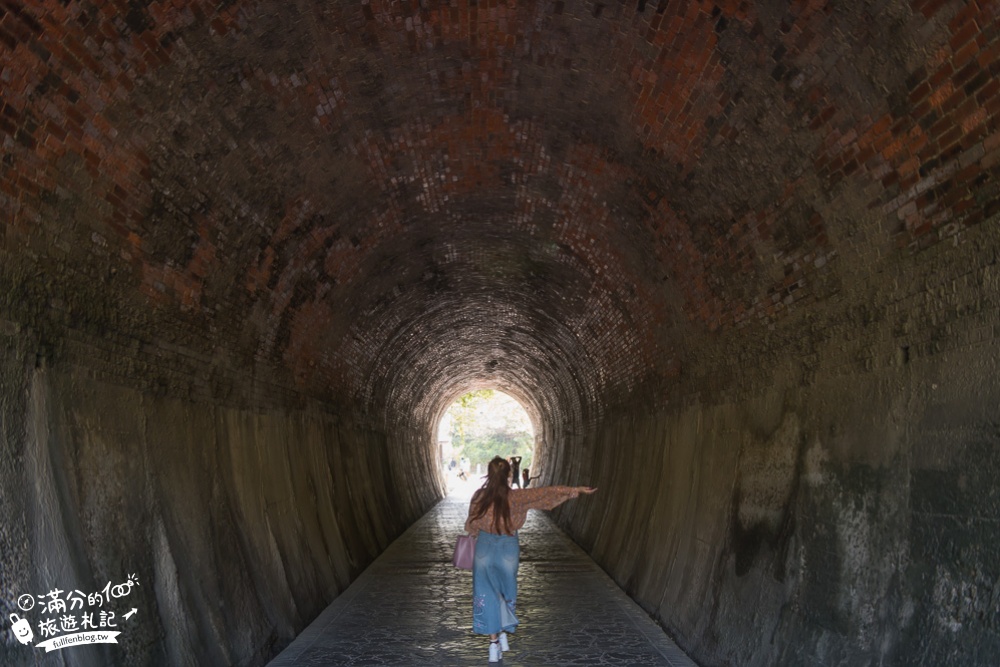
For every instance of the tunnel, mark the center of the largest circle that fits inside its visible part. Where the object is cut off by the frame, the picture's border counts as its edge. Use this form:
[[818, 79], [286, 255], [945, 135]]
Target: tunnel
[[737, 260]]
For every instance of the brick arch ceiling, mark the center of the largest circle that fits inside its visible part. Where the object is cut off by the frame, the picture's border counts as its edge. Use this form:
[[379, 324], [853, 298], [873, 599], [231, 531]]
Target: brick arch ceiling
[[392, 202]]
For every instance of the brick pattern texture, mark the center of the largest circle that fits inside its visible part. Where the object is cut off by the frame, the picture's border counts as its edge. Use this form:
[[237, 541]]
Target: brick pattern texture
[[380, 204]]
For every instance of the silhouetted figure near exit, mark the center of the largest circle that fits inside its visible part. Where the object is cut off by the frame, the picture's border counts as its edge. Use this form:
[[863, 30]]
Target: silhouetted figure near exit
[[526, 479], [515, 470]]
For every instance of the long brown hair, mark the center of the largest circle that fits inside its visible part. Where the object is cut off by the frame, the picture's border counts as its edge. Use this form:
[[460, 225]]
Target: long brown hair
[[494, 494]]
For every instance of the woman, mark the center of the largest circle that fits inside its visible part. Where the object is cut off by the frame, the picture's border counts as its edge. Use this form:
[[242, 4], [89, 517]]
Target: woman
[[496, 513]]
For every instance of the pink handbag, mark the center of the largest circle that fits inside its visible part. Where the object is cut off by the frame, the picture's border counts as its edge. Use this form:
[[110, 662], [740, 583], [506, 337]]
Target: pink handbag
[[465, 551]]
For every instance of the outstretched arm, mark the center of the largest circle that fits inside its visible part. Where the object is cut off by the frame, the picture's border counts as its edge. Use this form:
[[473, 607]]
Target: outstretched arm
[[549, 497]]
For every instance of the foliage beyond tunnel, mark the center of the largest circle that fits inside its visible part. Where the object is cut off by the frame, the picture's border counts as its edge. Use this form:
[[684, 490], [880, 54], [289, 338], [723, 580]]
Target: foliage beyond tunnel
[[487, 423]]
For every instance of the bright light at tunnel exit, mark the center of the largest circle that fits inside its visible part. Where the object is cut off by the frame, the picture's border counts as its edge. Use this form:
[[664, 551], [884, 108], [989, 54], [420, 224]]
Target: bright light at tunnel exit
[[478, 426]]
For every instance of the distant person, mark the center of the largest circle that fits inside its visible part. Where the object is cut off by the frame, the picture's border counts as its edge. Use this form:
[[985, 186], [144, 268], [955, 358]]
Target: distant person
[[526, 479], [496, 513], [515, 464]]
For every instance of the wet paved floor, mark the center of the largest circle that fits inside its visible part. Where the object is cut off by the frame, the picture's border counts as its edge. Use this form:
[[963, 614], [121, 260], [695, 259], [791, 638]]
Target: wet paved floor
[[412, 607]]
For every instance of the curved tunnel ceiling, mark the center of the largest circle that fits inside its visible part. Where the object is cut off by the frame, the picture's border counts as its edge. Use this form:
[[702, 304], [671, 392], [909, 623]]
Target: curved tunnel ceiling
[[395, 202]]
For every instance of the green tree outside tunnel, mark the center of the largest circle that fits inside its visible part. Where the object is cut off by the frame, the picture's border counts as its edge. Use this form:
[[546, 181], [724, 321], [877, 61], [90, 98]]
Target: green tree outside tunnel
[[488, 423]]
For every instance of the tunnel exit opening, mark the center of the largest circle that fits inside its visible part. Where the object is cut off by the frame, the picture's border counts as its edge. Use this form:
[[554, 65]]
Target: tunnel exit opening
[[476, 427]]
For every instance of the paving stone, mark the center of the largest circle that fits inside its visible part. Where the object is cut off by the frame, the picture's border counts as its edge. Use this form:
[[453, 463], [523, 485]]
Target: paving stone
[[412, 607]]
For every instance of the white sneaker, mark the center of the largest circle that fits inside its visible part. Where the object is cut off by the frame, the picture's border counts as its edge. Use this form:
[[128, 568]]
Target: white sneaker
[[504, 646], [495, 653]]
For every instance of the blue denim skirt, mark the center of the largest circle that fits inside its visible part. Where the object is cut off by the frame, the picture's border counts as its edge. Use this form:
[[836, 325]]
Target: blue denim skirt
[[494, 583]]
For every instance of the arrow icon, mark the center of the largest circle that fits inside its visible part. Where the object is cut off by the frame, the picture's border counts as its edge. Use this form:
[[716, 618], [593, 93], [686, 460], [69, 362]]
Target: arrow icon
[[130, 612]]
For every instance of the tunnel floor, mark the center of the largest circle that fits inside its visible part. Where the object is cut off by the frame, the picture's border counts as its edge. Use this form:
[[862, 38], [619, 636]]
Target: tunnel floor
[[412, 607]]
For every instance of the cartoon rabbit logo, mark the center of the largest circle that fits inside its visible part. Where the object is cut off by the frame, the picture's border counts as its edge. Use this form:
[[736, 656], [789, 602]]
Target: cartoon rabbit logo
[[22, 629]]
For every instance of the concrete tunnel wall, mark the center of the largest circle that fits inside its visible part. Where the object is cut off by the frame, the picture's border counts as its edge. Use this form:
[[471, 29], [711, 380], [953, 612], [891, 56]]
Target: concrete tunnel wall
[[241, 525], [738, 260], [833, 502]]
